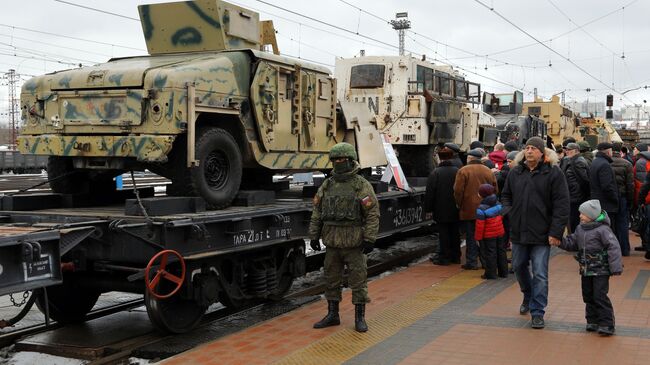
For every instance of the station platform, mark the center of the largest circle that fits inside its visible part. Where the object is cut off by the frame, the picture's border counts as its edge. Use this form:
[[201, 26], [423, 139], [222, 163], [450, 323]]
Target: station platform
[[430, 314]]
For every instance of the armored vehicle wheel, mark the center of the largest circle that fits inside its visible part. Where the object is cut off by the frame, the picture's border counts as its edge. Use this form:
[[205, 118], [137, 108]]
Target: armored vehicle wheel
[[68, 302], [218, 176], [174, 314]]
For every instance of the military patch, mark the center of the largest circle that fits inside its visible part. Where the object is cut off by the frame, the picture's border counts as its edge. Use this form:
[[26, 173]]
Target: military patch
[[367, 201]]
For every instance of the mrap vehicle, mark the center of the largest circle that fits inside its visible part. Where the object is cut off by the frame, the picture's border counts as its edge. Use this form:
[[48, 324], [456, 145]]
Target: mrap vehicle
[[417, 104], [206, 108]]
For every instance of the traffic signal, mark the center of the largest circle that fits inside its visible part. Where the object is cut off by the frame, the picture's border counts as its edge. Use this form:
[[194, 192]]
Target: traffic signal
[[609, 114], [610, 100]]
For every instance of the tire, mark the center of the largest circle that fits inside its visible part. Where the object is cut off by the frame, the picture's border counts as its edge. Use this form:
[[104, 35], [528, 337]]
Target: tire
[[219, 174], [67, 303]]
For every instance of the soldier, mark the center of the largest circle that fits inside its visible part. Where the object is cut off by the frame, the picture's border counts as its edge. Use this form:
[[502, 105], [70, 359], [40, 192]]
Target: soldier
[[346, 217]]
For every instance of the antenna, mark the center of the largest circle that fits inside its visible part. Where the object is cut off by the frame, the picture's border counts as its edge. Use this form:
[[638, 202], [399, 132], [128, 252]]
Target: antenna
[[401, 24]]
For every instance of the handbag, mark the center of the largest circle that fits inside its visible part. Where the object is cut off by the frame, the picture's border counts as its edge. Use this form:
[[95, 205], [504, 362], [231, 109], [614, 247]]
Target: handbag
[[638, 220]]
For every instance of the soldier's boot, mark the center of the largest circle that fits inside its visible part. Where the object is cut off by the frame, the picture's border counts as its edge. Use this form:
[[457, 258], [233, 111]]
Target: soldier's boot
[[332, 318], [359, 318]]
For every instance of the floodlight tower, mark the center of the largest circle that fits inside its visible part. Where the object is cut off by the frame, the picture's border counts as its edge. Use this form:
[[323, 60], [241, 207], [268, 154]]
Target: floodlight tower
[[401, 24]]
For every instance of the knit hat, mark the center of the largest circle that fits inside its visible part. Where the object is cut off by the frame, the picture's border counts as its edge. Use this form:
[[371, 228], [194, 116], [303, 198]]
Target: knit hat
[[572, 146], [536, 142], [445, 154], [590, 208], [511, 146], [512, 155], [642, 147], [476, 144], [452, 146], [476, 152], [604, 146], [485, 190]]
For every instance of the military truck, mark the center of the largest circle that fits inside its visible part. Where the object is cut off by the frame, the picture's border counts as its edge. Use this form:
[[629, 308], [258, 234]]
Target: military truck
[[512, 125], [415, 103], [206, 108]]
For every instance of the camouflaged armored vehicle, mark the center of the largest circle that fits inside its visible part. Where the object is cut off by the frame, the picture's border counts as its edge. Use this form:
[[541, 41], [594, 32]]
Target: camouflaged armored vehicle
[[206, 108]]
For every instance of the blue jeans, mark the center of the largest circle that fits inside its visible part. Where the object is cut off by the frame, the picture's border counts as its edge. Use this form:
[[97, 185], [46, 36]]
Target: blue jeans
[[471, 248], [622, 224], [535, 286]]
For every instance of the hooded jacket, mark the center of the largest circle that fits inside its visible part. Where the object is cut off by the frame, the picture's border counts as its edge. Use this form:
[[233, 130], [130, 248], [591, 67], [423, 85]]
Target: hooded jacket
[[489, 222], [603, 182], [599, 252], [537, 201]]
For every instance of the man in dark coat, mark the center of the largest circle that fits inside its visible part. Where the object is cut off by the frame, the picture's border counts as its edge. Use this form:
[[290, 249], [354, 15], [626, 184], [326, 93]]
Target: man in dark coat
[[603, 181], [625, 182], [455, 160], [576, 172], [585, 151], [439, 201], [536, 200]]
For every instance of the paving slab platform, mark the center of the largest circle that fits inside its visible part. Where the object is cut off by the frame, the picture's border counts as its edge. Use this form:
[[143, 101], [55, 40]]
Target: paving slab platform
[[430, 314]]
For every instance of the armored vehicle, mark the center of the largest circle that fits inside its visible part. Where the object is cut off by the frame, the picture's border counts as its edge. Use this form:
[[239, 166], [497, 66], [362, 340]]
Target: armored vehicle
[[206, 108], [596, 130], [561, 122], [415, 103], [512, 125]]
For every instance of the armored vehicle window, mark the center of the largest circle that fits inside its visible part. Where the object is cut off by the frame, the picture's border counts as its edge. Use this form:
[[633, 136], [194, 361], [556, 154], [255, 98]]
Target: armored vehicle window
[[461, 90], [367, 76], [534, 110], [425, 77], [445, 87]]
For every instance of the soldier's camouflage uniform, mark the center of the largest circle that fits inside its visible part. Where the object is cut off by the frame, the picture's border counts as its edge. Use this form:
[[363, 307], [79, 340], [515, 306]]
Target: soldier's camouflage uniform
[[345, 215]]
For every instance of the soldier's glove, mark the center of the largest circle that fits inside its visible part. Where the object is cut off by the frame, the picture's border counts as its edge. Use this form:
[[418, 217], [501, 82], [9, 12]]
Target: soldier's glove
[[367, 247], [315, 244]]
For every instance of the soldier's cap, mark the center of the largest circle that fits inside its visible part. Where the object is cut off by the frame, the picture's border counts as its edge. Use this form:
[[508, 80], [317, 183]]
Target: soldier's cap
[[511, 146], [476, 152], [572, 146], [536, 142], [617, 146], [604, 146], [452, 146], [476, 144], [584, 146], [567, 141], [642, 147], [512, 155]]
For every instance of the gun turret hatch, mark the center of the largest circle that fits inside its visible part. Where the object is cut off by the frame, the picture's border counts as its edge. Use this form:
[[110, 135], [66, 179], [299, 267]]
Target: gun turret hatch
[[200, 25]]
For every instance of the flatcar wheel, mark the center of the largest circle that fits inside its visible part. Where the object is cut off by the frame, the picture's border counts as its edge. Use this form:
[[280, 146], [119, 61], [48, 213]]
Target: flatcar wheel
[[175, 314], [284, 285], [67, 303]]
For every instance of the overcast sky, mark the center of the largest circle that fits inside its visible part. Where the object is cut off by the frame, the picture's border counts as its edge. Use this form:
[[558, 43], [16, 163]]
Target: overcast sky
[[593, 34]]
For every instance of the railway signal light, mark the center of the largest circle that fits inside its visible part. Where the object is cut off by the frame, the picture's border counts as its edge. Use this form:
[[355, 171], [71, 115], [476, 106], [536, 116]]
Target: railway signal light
[[610, 100]]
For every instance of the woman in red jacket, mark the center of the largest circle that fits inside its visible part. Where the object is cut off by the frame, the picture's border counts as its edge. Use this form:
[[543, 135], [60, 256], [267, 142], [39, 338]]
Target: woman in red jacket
[[489, 232]]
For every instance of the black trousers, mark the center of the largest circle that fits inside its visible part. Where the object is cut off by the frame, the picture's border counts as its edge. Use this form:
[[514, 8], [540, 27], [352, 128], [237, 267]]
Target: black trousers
[[574, 216], [598, 307], [493, 257], [612, 218], [449, 236]]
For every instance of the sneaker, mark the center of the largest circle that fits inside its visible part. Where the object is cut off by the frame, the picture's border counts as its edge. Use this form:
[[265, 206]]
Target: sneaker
[[606, 330], [523, 309], [538, 322], [469, 267], [591, 327]]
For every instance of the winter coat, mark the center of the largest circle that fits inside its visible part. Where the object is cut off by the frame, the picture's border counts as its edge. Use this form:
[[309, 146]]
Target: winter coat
[[439, 196], [603, 182], [537, 201], [589, 157], [640, 171], [501, 176], [576, 172], [489, 222], [456, 161], [346, 212], [624, 177], [498, 157], [644, 198], [599, 252], [468, 180]]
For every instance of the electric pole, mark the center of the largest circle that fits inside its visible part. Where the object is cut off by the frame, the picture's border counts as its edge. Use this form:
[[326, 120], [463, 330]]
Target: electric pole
[[401, 24], [11, 78]]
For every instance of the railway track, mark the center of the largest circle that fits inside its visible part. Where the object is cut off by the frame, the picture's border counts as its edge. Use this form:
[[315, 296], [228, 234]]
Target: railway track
[[142, 344]]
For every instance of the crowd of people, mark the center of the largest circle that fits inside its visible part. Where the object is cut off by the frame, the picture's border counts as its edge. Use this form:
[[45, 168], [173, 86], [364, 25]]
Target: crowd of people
[[529, 198]]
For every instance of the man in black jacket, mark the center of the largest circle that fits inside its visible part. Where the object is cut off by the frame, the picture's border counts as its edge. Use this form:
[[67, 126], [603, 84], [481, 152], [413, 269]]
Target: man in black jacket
[[455, 160], [603, 181], [576, 172], [536, 200], [624, 174], [439, 201]]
